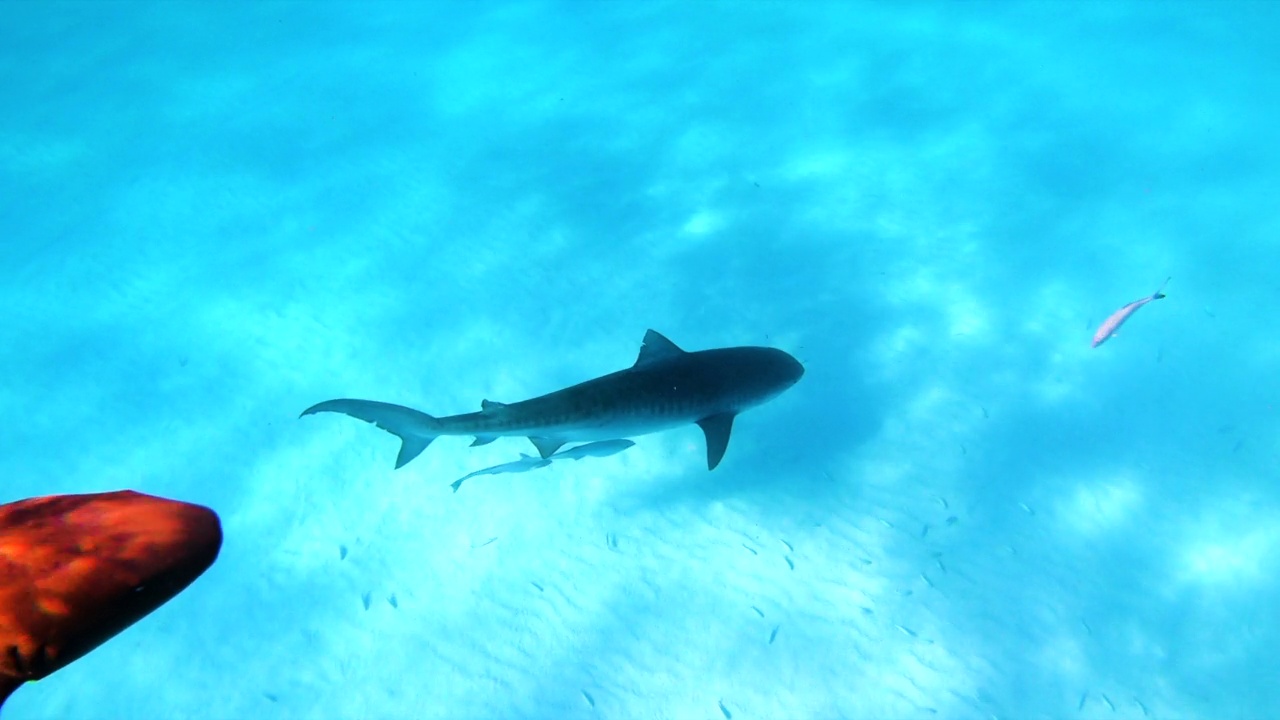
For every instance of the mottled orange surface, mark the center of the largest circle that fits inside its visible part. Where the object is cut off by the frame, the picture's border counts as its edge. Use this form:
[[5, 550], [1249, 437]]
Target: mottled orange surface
[[77, 569]]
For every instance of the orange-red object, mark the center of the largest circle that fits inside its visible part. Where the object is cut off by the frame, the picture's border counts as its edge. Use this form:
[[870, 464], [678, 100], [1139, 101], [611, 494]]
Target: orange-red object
[[77, 569]]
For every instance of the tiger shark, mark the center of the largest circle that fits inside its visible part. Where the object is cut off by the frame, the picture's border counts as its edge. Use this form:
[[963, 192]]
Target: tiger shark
[[666, 387]]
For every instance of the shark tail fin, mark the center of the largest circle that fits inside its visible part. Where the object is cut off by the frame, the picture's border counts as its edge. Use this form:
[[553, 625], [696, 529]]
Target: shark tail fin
[[415, 429]]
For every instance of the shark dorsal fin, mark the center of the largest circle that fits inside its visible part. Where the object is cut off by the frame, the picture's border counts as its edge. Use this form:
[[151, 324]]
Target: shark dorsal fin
[[656, 347], [717, 429], [491, 405]]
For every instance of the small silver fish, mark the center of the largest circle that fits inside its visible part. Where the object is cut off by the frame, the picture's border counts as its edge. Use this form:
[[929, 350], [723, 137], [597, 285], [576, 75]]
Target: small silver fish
[[1112, 324]]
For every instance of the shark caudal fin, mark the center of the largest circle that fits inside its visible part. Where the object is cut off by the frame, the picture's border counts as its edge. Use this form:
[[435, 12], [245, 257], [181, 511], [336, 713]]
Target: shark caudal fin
[[415, 429]]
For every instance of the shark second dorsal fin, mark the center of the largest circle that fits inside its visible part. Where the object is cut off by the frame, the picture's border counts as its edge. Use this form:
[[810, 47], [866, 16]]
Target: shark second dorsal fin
[[491, 405], [717, 429], [657, 347]]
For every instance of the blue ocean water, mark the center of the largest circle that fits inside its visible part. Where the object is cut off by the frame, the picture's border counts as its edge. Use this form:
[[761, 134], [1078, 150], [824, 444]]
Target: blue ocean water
[[213, 215]]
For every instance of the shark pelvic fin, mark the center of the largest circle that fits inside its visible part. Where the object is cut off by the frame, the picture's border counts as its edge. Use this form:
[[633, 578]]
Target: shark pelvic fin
[[717, 429], [483, 440], [491, 405], [411, 446], [546, 446], [415, 429], [656, 347]]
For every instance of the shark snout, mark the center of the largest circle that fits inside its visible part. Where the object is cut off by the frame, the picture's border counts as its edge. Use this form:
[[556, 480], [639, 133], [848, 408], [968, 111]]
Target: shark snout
[[795, 369], [787, 369]]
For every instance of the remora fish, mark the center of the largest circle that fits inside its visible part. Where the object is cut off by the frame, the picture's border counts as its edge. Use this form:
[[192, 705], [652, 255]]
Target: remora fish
[[77, 569], [665, 388], [603, 448], [1112, 324], [524, 464]]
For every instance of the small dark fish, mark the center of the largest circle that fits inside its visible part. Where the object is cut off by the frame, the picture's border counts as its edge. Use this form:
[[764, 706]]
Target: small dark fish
[[394, 603], [924, 531], [1112, 324], [271, 696], [758, 611], [537, 586], [774, 635], [750, 549], [365, 598], [342, 552], [486, 542], [612, 541], [789, 548], [590, 700], [790, 563], [727, 715]]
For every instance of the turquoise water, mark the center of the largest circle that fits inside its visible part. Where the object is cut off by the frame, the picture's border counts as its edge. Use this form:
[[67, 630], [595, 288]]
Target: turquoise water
[[215, 215]]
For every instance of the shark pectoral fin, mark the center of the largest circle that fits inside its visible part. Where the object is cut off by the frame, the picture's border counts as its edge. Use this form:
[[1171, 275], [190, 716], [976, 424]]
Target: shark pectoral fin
[[483, 440], [546, 446], [717, 429], [415, 429], [491, 405], [656, 347]]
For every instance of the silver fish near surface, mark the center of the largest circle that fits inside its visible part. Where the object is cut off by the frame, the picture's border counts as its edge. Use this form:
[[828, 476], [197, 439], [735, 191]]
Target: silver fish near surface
[[1112, 324], [666, 387]]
